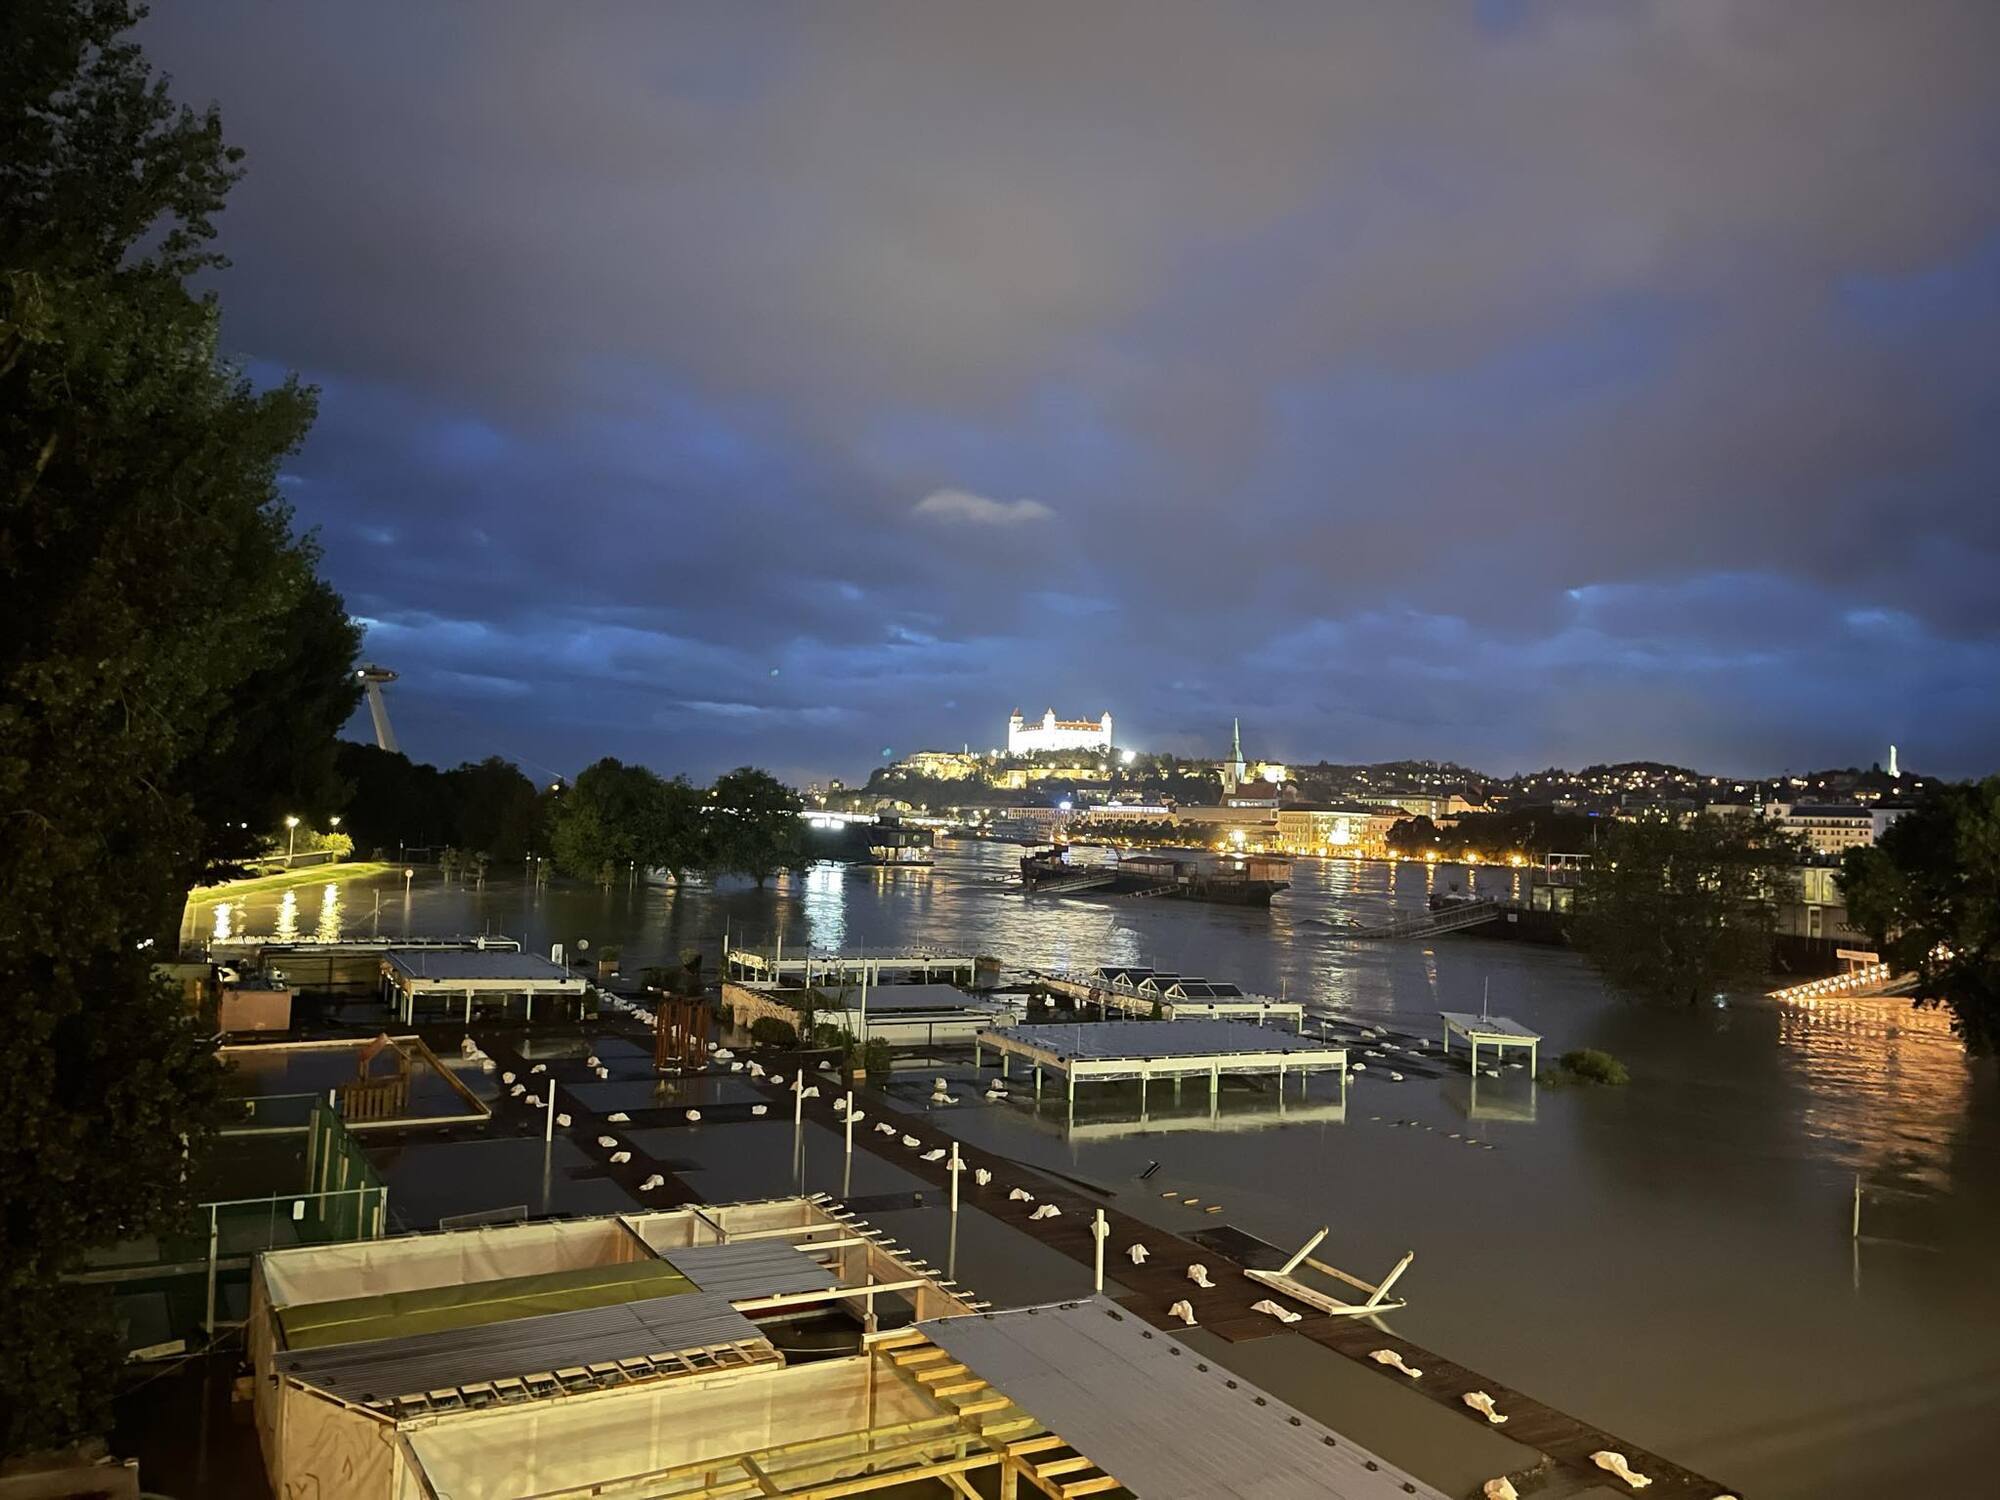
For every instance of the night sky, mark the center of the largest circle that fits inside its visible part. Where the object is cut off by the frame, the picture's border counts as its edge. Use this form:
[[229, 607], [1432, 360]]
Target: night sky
[[1507, 383]]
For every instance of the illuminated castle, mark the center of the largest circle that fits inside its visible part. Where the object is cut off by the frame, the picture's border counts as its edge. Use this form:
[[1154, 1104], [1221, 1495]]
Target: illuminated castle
[[1056, 734]]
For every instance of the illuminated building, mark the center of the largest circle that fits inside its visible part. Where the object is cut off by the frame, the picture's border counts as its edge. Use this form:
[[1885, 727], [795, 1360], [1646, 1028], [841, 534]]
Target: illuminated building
[[940, 765], [1057, 734]]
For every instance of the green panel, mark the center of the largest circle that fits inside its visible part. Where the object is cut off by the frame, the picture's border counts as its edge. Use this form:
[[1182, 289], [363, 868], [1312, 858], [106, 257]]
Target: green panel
[[352, 1320]]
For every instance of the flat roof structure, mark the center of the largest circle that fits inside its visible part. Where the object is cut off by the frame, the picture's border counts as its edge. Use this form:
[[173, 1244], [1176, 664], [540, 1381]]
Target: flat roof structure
[[505, 1359], [456, 976], [1115, 1051], [1497, 1032], [890, 999], [1151, 1416]]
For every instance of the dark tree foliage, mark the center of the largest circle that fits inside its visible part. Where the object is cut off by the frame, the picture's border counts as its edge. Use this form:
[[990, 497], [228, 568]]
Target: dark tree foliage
[[392, 802], [609, 816], [1680, 911], [1497, 835], [151, 582], [620, 815], [755, 824], [1413, 836], [1929, 896], [496, 810], [275, 753]]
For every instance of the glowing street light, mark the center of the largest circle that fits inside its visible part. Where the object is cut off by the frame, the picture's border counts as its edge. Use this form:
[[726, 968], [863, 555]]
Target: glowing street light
[[291, 835]]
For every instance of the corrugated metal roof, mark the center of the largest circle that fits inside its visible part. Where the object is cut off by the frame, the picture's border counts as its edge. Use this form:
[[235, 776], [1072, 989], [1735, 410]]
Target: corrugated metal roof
[[750, 1268], [1150, 1412], [1100, 1040], [384, 1369]]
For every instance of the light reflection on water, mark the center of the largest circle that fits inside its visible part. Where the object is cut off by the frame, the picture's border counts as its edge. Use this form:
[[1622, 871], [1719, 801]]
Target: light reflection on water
[[1673, 1258], [328, 928], [1886, 1085]]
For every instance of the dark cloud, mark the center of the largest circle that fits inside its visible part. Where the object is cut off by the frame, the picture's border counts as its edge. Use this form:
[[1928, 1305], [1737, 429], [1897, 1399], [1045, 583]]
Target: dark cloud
[[1517, 383]]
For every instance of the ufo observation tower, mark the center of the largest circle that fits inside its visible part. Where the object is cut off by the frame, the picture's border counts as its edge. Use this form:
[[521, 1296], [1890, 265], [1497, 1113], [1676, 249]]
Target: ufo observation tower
[[372, 679]]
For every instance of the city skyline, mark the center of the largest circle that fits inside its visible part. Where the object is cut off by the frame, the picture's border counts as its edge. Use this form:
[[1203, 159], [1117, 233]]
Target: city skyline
[[712, 386]]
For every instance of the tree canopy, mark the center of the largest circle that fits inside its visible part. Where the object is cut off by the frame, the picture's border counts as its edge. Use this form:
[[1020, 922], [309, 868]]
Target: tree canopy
[[1680, 911], [150, 648], [755, 824], [1928, 895]]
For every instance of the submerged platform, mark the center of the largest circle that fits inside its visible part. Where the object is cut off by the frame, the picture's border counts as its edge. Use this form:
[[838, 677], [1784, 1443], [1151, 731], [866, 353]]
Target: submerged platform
[[1112, 1051], [1497, 1032], [459, 978]]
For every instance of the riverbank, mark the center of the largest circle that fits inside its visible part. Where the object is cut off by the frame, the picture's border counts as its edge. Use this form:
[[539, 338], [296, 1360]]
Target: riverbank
[[282, 880]]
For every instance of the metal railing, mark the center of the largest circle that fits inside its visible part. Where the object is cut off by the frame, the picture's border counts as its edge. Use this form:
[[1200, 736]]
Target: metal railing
[[242, 1227]]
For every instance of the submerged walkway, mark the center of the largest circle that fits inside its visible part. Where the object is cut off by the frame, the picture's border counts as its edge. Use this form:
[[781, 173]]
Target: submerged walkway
[[1225, 1310], [1450, 919]]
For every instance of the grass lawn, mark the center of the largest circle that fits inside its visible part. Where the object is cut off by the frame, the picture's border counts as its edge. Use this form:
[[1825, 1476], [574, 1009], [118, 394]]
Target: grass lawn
[[359, 869]]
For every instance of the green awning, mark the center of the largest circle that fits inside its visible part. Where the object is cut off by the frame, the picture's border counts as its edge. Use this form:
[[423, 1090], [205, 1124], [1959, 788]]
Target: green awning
[[432, 1309]]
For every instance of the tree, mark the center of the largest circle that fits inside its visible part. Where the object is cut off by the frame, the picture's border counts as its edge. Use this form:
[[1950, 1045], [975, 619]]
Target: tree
[[393, 802], [150, 573], [681, 839], [1682, 911], [1928, 895], [495, 809], [611, 815], [757, 829], [1413, 835], [274, 754]]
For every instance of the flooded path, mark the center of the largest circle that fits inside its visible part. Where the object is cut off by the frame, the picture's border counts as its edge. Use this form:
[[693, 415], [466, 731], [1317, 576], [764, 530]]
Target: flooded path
[[1670, 1260]]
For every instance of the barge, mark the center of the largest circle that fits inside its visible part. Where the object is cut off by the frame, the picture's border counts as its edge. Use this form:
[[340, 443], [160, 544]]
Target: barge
[[1234, 880]]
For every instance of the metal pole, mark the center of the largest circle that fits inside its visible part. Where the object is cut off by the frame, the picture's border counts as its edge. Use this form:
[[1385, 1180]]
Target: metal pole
[[955, 1167], [549, 1125], [1098, 1230], [214, 1236], [798, 1098], [1856, 1232], [850, 1122]]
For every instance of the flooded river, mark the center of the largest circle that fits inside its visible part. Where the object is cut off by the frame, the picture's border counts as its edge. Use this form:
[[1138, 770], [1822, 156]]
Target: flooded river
[[1672, 1260]]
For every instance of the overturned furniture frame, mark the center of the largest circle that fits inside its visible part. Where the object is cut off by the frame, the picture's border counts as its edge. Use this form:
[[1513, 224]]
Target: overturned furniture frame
[[1378, 1301]]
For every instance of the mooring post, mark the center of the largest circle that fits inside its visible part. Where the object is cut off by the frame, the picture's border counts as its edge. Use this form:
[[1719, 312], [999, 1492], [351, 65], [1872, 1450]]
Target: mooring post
[[549, 1124], [954, 1169], [798, 1098], [1098, 1230], [1855, 1233], [850, 1122]]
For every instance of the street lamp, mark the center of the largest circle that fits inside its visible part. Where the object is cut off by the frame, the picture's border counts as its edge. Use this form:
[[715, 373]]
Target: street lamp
[[291, 834]]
